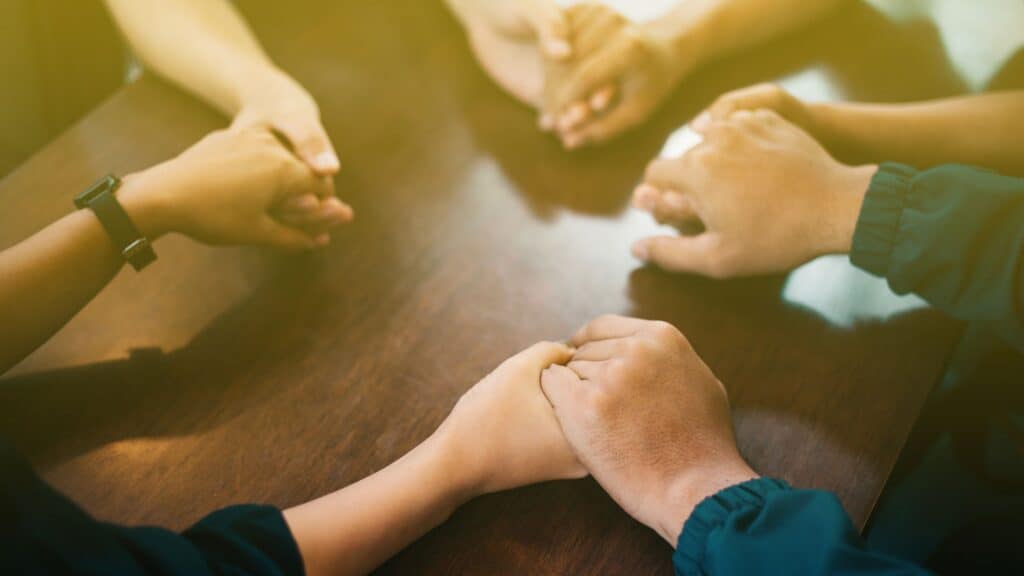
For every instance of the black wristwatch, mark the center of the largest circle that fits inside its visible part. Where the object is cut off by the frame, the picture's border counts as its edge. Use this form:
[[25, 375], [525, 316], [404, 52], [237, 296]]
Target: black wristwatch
[[99, 198]]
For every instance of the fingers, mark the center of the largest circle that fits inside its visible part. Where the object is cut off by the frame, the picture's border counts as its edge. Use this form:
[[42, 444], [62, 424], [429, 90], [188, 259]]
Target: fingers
[[592, 25], [552, 28], [769, 96], [663, 173], [544, 354], [300, 204], [606, 327], [599, 351], [587, 369], [597, 72], [561, 386], [579, 112], [603, 128], [319, 217], [694, 254], [312, 145], [668, 207], [281, 236], [603, 98]]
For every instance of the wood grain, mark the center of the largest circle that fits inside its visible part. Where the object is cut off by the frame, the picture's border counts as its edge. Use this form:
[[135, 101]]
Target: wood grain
[[266, 378]]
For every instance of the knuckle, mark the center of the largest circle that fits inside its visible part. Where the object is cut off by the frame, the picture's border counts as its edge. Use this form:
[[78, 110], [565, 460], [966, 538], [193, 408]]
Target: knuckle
[[599, 404], [664, 331], [633, 348], [618, 370]]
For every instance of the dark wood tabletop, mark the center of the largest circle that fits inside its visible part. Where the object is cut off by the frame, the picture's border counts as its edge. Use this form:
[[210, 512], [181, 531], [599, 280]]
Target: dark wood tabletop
[[223, 376]]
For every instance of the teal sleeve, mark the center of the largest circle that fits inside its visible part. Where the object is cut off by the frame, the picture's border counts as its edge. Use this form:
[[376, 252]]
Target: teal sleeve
[[765, 527], [953, 235]]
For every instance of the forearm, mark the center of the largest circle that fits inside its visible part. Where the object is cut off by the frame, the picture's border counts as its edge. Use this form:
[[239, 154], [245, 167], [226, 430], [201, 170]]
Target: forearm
[[46, 279], [981, 130], [204, 46], [704, 30], [354, 530]]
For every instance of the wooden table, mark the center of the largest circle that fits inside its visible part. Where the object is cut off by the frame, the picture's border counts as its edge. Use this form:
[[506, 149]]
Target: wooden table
[[257, 377]]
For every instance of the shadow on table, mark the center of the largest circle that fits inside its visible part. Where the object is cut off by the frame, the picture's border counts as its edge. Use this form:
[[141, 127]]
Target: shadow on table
[[227, 369]]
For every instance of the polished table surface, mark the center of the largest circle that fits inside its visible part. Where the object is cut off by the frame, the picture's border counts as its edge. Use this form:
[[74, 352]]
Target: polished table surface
[[222, 376]]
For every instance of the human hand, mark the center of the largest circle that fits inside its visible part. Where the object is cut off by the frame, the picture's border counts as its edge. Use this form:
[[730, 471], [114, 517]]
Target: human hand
[[647, 418], [504, 431], [512, 38], [767, 194], [619, 72], [760, 96], [274, 101], [225, 189]]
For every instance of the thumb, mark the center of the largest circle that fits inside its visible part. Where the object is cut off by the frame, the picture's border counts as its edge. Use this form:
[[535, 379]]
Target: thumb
[[312, 146], [561, 386], [544, 354], [279, 235], [551, 27], [678, 253]]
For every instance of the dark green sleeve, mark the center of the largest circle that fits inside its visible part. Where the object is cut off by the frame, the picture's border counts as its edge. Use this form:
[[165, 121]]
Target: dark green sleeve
[[953, 235], [765, 527], [43, 532]]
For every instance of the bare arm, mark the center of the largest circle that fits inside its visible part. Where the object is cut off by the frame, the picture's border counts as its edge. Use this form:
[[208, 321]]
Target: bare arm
[[982, 130], [219, 191], [702, 30], [206, 48], [76, 249], [355, 529], [501, 434], [202, 46]]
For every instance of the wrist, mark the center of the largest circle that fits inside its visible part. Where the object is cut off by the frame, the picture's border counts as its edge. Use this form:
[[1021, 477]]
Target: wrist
[[683, 493], [826, 121], [459, 468], [146, 205], [266, 83], [680, 45], [848, 200]]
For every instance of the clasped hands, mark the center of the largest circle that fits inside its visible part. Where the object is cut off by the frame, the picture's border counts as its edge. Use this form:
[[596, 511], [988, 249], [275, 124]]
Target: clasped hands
[[591, 73], [625, 400]]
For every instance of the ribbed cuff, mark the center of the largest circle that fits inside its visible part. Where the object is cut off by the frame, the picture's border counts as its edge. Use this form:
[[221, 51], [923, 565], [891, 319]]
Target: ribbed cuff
[[712, 513], [879, 223]]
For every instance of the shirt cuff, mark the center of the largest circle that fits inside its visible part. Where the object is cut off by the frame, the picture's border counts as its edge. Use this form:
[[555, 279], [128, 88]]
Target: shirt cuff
[[879, 223], [250, 539], [712, 513]]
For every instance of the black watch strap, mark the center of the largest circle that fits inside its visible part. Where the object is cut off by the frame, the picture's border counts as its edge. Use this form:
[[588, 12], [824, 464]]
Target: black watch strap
[[100, 198]]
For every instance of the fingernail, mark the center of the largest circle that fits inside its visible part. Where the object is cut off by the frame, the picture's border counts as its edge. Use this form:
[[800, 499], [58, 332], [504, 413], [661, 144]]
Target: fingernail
[[558, 49], [572, 141], [677, 202], [343, 211], [645, 197], [639, 250], [326, 162], [546, 122], [601, 100], [701, 122], [304, 203], [322, 240]]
